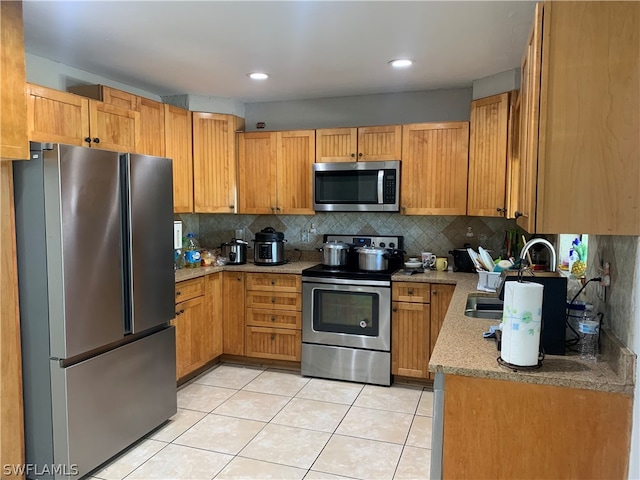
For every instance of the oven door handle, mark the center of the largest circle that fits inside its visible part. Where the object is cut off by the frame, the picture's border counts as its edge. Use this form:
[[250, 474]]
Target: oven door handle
[[343, 281], [380, 185]]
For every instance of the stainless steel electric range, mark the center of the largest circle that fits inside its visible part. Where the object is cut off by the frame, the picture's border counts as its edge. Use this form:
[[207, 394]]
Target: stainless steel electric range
[[346, 315]]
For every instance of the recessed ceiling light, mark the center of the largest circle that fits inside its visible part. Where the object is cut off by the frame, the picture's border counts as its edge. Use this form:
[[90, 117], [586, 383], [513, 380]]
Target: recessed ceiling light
[[258, 76], [401, 63]]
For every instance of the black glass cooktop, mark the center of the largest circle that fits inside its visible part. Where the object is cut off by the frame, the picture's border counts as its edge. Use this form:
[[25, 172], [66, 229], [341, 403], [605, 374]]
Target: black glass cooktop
[[348, 273]]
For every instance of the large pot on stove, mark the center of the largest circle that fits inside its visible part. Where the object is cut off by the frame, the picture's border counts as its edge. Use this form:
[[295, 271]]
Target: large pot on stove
[[269, 247], [373, 259], [334, 253]]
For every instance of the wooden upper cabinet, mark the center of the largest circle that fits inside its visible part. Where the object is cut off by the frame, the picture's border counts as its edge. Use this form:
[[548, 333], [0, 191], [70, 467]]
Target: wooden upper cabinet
[[337, 145], [109, 95], [380, 143], [434, 168], [488, 156], [55, 116], [295, 154], [257, 160], [275, 172], [359, 144], [589, 134], [113, 128], [177, 127], [14, 142], [525, 209], [214, 162], [152, 134]]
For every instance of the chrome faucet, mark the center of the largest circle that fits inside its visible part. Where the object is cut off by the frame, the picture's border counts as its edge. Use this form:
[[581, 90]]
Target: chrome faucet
[[546, 243]]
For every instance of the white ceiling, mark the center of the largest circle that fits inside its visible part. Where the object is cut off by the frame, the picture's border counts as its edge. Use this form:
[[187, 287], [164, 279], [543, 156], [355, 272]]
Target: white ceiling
[[311, 49]]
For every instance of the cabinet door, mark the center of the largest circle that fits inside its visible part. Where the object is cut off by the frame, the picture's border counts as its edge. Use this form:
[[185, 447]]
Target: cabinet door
[[513, 155], [412, 292], [434, 168], [14, 144], [589, 141], [278, 282], [233, 313], [113, 128], [410, 339], [118, 98], [336, 145], [379, 143], [55, 116], [530, 119], [213, 297], [177, 122], [274, 318], [488, 156], [189, 337], [295, 156], [152, 141], [257, 173], [214, 163], [440, 298]]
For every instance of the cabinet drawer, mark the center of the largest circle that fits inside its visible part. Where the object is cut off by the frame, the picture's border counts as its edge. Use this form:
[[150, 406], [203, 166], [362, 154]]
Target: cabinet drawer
[[274, 300], [274, 282], [273, 318], [274, 343], [413, 292], [189, 289]]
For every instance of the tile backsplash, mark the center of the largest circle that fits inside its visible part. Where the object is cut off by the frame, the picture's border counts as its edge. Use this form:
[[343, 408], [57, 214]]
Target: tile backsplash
[[437, 234]]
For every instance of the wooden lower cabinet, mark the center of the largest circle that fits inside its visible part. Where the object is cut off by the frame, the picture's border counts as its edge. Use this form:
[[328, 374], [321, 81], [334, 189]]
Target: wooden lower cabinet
[[198, 323], [533, 431], [418, 310], [233, 284], [273, 316]]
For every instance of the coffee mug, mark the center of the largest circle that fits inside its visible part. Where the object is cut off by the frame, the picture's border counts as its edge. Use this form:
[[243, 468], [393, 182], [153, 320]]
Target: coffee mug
[[428, 260], [441, 264]]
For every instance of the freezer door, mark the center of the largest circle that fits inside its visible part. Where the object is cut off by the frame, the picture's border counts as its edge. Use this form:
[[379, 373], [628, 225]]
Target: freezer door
[[83, 248], [150, 253], [104, 404]]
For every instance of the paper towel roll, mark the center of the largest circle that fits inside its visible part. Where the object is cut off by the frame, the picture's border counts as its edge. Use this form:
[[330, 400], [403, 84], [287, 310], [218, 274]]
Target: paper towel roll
[[521, 323]]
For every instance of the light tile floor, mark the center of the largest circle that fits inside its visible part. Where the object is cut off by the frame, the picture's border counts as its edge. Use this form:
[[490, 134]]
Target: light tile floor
[[236, 421]]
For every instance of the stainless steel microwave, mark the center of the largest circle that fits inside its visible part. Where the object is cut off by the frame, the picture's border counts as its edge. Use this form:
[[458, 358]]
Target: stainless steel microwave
[[356, 186]]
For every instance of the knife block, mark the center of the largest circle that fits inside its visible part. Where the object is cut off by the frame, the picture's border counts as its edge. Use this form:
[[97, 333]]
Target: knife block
[[554, 300]]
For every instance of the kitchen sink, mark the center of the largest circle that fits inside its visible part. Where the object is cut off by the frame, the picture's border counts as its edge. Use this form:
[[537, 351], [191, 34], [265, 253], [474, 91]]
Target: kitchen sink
[[483, 306]]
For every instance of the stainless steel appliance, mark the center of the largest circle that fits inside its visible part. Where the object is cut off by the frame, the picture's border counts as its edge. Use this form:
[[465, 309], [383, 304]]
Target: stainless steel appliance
[[334, 253], [96, 286], [235, 251], [269, 247], [356, 186], [346, 316]]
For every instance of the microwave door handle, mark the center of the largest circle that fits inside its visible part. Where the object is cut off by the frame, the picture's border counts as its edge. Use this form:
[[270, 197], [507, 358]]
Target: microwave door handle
[[380, 183]]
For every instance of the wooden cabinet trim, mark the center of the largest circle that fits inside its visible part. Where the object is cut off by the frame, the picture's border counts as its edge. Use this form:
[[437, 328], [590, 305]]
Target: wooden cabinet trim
[[188, 289]]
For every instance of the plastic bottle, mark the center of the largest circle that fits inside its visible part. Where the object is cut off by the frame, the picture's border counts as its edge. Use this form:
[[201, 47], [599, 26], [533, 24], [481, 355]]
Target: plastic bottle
[[589, 329], [191, 252]]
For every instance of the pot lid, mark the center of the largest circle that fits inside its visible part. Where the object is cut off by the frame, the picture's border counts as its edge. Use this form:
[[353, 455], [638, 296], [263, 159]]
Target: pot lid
[[269, 234], [336, 245], [372, 250], [234, 241]]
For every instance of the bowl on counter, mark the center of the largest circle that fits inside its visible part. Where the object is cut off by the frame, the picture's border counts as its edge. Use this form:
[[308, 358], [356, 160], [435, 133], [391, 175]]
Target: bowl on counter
[[412, 265]]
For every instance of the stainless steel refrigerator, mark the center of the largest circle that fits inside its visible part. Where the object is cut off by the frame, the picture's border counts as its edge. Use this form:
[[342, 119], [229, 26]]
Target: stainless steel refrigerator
[[96, 282]]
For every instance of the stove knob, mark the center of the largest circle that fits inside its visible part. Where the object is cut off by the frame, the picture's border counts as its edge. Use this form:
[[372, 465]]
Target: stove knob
[[382, 244], [392, 245]]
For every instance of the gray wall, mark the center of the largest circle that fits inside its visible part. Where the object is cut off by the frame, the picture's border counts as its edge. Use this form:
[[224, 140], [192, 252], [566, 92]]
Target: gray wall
[[383, 109], [497, 83], [59, 76]]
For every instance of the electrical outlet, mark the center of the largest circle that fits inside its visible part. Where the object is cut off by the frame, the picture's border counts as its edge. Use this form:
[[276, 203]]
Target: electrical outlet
[[305, 237], [601, 288]]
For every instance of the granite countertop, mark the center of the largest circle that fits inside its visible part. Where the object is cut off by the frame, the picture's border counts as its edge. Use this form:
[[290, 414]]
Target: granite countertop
[[461, 349], [294, 267]]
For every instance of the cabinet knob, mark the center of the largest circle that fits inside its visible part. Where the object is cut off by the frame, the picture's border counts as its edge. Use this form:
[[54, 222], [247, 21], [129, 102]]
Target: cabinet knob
[[360, 155], [273, 300], [395, 309], [353, 155], [501, 210], [404, 208], [273, 336], [179, 312], [88, 139], [96, 140], [278, 209], [273, 319], [178, 293], [273, 209], [231, 207], [434, 292], [273, 282], [410, 291], [518, 214]]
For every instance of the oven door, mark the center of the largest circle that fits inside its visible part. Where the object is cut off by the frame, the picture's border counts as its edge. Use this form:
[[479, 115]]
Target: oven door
[[342, 314]]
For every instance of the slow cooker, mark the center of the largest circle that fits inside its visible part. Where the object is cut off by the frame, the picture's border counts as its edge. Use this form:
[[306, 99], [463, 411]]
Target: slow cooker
[[269, 247]]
